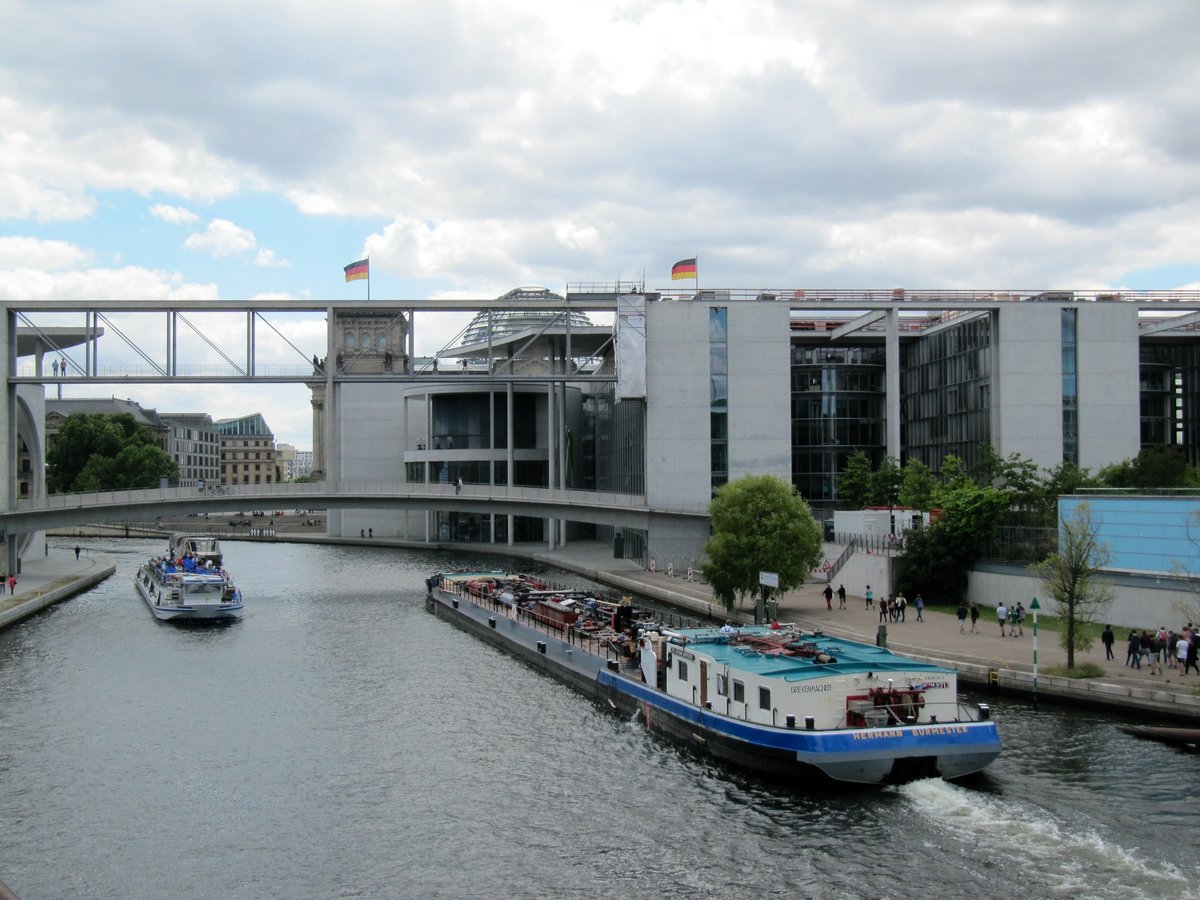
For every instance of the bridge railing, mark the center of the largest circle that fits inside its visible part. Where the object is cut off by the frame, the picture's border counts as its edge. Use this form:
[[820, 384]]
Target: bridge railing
[[246, 496]]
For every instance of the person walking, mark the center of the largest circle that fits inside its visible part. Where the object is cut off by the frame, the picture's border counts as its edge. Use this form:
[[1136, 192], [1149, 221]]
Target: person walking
[[962, 617], [828, 593], [1133, 657], [869, 596], [1002, 616], [919, 603], [1020, 619], [974, 618], [12, 584], [77, 551], [901, 605], [841, 592], [883, 609], [1106, 638], [458, 486], [1181, 652]]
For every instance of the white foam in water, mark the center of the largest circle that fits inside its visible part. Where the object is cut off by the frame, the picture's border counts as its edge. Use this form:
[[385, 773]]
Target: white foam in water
[[1072, 859]]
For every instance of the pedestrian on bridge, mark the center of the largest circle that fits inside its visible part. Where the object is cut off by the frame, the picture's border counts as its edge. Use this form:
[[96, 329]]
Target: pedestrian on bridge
[[76, 551]]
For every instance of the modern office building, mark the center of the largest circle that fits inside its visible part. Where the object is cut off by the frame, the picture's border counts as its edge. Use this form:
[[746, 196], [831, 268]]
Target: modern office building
[[683, 393]]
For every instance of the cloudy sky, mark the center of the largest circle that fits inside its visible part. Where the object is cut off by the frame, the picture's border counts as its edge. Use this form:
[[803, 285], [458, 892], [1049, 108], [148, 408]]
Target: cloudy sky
[[238, 150]]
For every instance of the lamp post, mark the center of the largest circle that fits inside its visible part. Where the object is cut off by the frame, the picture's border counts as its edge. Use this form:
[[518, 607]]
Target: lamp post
[[1033, 608]]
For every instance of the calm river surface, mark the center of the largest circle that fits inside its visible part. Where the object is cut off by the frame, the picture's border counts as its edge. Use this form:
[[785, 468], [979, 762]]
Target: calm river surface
[[342, 742]]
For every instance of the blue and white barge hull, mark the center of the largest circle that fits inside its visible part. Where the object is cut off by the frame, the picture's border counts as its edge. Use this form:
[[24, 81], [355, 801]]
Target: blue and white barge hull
[[788, 704]]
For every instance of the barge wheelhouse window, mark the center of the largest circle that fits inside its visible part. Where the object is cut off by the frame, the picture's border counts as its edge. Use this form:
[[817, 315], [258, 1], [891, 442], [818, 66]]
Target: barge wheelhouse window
[[682, 670], [764, 698], [739, 692]]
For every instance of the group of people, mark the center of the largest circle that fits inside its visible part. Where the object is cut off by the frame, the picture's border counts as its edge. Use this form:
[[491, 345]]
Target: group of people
[[965, 610], [892, 608], [1160, 649], [1012, 618], [841, 595]]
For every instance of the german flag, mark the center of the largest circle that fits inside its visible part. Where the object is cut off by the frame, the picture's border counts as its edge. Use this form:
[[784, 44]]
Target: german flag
[[357, 271], [685, 268]]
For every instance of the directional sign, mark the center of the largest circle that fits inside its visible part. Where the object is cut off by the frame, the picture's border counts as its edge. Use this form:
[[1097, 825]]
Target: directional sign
[[769, 579]]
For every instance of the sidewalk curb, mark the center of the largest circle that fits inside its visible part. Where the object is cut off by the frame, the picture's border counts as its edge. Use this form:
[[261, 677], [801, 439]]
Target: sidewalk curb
[[62, 589]]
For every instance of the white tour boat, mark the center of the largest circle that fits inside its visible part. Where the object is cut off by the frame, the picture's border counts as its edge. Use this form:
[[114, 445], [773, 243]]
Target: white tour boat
[[188, 584]]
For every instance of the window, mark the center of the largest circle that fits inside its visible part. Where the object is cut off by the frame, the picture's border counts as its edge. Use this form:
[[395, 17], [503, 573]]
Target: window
[[722, 685], [764, 698], [683, 672], [739, 692]]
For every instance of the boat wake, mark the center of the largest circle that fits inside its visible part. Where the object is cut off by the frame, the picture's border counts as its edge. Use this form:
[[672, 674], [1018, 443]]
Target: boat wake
[[1067, 858]]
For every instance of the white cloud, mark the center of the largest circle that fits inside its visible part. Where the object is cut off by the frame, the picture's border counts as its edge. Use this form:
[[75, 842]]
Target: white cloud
[[176, 215], [222, 238], [34, 253]]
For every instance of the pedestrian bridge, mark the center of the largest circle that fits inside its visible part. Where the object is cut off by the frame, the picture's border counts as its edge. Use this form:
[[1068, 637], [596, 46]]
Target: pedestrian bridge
[[59, 510]]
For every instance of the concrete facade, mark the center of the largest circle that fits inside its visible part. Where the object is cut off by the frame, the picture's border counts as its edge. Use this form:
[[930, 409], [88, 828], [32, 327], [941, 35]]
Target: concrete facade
[[1109, 403], [760, 395], [678, 438]]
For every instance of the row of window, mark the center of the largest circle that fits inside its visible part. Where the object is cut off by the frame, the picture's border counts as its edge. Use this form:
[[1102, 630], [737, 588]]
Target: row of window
[[739, 688]]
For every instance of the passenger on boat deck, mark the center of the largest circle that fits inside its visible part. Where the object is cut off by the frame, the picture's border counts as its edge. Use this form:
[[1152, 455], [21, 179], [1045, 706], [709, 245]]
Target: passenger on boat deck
[[728, 630], [775, 626]]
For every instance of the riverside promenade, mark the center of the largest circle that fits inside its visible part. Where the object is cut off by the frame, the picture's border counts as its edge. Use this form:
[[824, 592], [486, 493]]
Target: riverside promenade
[[45, 580]]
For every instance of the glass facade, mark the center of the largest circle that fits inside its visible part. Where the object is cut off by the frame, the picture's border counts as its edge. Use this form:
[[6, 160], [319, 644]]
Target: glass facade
[[837, 409], [614, 443], [1170, 395], [945, 391], [1070, 387], [718, 375]]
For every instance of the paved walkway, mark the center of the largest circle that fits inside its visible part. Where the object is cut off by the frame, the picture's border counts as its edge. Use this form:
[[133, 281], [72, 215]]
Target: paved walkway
[[44, 580]]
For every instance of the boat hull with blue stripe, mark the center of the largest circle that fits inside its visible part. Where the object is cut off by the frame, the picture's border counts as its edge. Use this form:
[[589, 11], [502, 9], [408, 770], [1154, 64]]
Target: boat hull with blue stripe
[[784, 703]]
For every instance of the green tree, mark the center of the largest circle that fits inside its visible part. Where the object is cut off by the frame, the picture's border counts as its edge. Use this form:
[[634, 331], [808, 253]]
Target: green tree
[[97, 452], [1117, 475], [1073, 578], [916, 485], [885, 483], [951, 476], [1161, 467], [989, 466], [937, 560], [759, 524], [854, 484], [1063, 480]]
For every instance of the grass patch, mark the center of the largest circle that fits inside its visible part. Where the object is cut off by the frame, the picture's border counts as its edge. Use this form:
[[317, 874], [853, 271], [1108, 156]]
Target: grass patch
[[1046, 622], [1086, 670]]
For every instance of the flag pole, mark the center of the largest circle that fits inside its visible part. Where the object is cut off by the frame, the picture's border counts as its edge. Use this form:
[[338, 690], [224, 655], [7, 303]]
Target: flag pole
[[368, 279], [697, 278]]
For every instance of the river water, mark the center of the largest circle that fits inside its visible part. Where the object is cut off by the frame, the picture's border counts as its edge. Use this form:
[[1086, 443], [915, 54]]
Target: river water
[[342, 742]]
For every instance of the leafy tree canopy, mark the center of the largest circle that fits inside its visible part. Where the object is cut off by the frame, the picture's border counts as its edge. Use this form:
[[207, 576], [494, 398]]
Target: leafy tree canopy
[[885, 483], [916, 485], [854, 484], [759, 524], [936, 560], [98, 452]]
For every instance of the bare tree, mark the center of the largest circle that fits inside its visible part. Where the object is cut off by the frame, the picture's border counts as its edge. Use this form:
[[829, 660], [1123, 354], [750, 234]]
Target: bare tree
[[1187, 606], [1074, 580]]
